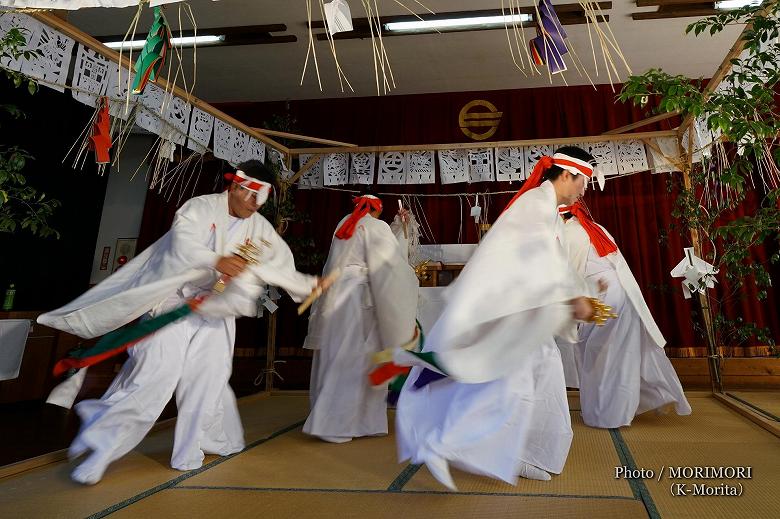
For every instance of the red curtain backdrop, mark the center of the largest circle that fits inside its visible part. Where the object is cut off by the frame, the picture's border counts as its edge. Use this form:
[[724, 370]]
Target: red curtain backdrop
[[636, 209]]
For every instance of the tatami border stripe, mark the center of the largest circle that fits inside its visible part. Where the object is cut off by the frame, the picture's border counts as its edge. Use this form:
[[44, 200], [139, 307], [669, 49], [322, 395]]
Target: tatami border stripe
[[638, 486], [388, 491], [175, 481], [403, 478]]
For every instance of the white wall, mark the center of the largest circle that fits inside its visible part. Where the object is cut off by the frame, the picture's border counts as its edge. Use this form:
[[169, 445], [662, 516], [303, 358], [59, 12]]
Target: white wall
[[123, 206]]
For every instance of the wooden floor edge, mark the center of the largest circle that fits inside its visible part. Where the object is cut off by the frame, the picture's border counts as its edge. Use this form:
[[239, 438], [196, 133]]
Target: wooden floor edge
[[56, 456], [13, 469], [747, 412], [33, 463]]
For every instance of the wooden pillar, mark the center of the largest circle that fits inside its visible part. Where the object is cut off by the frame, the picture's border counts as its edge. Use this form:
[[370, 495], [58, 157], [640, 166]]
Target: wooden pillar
[[713, 363], [270, 354]]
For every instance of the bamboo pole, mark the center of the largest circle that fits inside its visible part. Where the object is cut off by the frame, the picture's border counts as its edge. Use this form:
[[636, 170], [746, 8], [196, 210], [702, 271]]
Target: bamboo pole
[[304, 138], [270, 350], [643, 122], [306, 167], [726, 64], [88, 41], [713, 362], [496, 144]]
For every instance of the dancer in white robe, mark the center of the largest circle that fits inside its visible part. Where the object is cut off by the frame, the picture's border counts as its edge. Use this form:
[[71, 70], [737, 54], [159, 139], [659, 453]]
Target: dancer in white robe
[[502, 411], [372, 306], [622, 368], [193, 356]]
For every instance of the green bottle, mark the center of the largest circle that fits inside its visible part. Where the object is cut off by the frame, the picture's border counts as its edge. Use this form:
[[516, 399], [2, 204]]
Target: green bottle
[[8, 302]]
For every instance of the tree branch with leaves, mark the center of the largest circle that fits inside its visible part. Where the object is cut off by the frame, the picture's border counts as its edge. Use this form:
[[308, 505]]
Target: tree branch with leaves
[[742, 163], [22, 207]]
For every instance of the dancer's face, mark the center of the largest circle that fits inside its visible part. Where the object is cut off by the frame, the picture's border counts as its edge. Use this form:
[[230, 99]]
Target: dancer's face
[[242, 203], [570, 187]]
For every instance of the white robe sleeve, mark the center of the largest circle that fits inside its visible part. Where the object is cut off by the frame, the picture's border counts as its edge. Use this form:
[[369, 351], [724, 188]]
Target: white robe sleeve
[[513, 295], [393, 285], [634, 294], [190, 235]]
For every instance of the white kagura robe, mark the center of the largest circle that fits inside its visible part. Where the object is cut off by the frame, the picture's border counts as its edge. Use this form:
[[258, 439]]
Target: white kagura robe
[[192, 356], [622, 368], [504, 402], [372, 306]]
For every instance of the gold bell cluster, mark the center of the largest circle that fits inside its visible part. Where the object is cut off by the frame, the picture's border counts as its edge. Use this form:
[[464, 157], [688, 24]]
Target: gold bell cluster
[[601, 312], [248, 252]]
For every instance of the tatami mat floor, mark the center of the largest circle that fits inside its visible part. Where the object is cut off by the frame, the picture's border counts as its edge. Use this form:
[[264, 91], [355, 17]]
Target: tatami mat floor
[[284, 473]]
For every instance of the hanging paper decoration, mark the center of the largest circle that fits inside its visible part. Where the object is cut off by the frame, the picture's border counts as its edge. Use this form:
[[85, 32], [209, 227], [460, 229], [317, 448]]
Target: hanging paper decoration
[[224, 135], [177, 115], [548, 47], [338, 16], [420, 168], [152, 56], [313, 176], [100, 139], [604, 153], [118, 87], [53, 62], [453, 166], [90, 76], [362, 170], [255, 150], [239, 146], [534, 152], [698, 274], [510, 164], [392, 167], [336, 169], [631, 157], [481, 166], [149, 115], [664, 158], [201, 126]]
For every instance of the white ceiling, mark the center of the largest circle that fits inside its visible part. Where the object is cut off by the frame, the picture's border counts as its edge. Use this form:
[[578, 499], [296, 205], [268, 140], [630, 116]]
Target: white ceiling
[[464, 61]]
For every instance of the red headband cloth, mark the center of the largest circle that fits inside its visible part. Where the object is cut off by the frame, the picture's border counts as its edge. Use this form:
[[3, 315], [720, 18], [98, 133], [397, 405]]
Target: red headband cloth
[[251, 184], [598, 238], [363, 205], [545, 162]]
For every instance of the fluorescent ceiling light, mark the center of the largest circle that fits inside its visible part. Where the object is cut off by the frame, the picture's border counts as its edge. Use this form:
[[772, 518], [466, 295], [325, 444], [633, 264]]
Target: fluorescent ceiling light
[[187, 41], [452, 23], [735, 4]]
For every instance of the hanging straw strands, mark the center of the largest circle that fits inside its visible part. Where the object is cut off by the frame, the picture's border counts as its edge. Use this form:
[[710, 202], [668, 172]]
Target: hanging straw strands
[[383, 72]]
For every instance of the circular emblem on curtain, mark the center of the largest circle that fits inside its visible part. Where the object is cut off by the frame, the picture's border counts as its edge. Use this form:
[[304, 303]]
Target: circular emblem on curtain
[[479, 119]]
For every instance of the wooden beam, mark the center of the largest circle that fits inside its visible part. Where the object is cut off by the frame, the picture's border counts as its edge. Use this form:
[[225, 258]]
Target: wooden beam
[[682, 12], [304, 138], [725, 65], [234, 36], [90, 42], [652, 3], [643, 122], [244, 31], [306, 167], [496, 144]]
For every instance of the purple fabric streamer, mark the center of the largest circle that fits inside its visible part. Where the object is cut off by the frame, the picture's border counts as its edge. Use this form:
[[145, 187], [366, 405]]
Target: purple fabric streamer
[[551, 23], [550, 44], [549, 54], [426, 377], [392, 397]]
